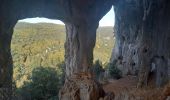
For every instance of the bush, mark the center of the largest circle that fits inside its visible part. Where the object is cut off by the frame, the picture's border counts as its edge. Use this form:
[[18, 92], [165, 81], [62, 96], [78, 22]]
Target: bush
[[62, 69], [113, 71], [44, 85], [97, 69]]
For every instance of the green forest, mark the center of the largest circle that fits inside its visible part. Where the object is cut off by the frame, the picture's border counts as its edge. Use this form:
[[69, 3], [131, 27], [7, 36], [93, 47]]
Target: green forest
[[38, 58]]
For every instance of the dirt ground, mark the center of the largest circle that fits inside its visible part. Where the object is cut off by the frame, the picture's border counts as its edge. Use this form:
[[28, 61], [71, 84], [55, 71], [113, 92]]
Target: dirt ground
[[126, 88]]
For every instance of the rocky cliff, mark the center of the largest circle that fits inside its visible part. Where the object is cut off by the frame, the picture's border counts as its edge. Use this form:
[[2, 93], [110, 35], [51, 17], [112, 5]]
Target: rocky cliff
[[142, 39]]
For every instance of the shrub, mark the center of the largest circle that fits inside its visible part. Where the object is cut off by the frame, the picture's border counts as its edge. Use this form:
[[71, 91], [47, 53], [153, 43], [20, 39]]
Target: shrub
[[44, 85], [97, 69], [113, 71]]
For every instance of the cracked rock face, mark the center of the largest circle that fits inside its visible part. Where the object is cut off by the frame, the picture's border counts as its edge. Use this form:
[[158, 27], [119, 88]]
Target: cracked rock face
[[142, 39]]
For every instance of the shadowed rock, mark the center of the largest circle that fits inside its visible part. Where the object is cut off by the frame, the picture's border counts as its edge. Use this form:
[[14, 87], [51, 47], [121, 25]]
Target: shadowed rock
[[142, 39]]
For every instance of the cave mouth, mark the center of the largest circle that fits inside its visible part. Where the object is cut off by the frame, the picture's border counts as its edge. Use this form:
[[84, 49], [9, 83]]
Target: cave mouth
[[105, 39], [37, 49]]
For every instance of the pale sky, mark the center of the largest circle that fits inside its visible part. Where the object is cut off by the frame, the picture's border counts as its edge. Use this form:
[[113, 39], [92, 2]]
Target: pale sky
[[107, 20]]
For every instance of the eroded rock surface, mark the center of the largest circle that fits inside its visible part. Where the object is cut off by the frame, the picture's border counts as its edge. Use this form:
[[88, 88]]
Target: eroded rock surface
[[142, 39], [81, 86]]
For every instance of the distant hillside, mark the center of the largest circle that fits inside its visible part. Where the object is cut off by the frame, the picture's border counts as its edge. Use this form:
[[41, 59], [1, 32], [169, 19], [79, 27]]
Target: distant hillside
[[42, 44], [28, 33], [104, 44]]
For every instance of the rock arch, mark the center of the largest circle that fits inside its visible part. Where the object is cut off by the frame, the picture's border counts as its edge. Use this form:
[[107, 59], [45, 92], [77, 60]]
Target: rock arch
[[81, 19]]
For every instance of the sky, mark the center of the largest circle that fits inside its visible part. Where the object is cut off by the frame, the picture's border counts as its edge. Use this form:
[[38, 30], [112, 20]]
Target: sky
[[107, 20]]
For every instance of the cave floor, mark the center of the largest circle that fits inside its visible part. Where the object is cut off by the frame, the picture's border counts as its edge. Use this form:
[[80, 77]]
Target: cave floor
[[126, 86]]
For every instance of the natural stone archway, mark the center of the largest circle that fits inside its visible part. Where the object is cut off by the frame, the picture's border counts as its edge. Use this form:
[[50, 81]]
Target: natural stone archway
[[142, 39], [10, 12], [81, 33], [80, 42], [79, 45], [81, 18]]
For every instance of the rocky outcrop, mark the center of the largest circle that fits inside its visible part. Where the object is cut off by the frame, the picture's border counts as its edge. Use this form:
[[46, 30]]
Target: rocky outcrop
[[81, 87], [166, 93], [142, 39]]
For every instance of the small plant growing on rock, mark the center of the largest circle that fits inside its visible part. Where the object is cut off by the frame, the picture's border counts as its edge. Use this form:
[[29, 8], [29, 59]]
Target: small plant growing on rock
[[97, 69], [113, 71]]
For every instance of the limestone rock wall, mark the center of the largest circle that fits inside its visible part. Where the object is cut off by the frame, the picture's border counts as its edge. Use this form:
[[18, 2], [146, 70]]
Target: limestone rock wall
[[142, 39]]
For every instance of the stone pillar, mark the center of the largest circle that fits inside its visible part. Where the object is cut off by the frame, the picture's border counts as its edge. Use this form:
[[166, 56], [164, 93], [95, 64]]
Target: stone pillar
[[80, 41], [6, 30], [79, 84], [81, 26]]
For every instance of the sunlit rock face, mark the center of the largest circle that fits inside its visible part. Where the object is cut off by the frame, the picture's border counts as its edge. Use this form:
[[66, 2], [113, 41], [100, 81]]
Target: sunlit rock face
[[142, 39]]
